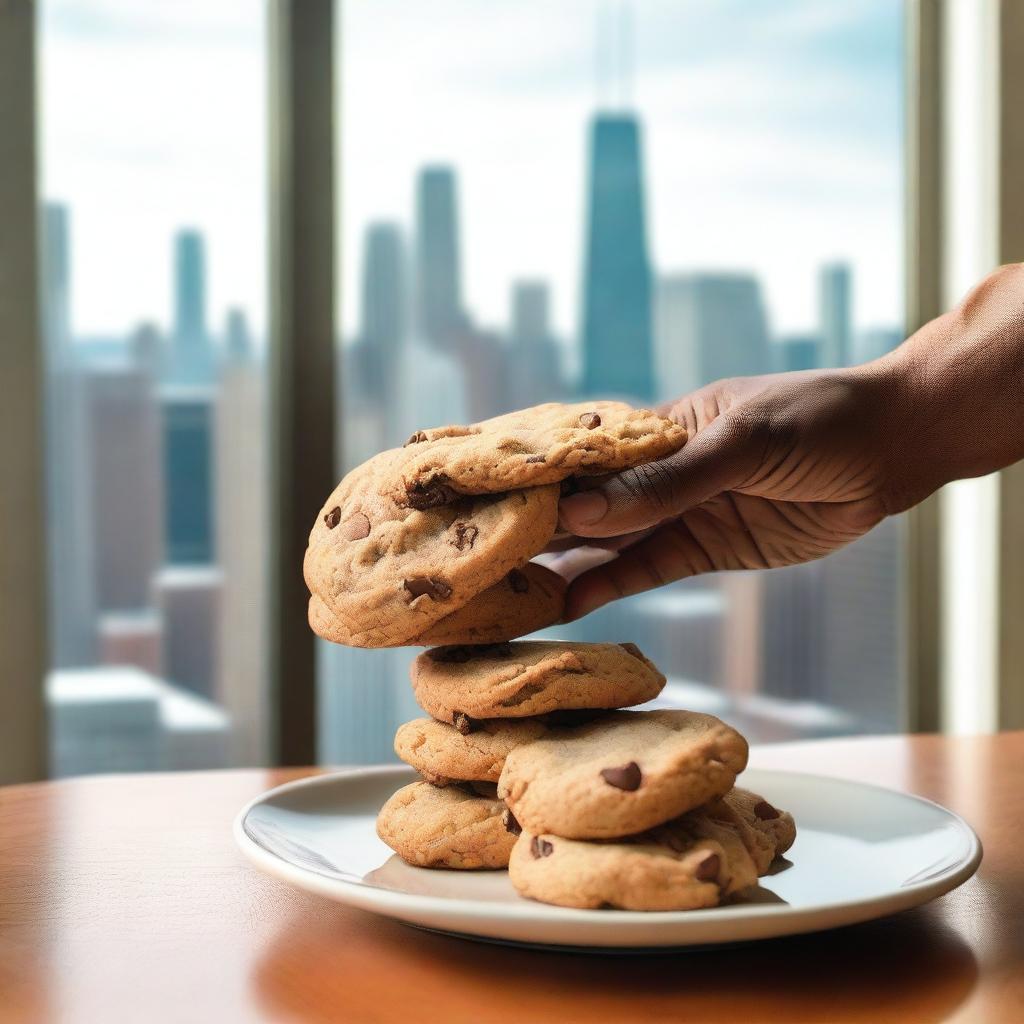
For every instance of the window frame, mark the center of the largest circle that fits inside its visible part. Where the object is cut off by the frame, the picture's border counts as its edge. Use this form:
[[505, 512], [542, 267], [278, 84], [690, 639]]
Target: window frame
[[304, 427]]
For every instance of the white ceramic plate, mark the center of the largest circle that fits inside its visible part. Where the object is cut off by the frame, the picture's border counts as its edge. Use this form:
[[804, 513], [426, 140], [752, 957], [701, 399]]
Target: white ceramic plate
[[861, 852]]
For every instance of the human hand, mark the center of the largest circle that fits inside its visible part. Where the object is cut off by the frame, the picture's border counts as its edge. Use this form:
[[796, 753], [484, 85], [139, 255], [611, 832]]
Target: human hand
[[778, 469]]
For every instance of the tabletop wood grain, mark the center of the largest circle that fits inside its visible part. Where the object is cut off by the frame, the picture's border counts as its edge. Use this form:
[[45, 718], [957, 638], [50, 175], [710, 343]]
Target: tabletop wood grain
[[124, 899]]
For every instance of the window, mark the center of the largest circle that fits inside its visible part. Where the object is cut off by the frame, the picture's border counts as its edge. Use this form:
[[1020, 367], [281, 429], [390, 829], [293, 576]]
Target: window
[[552, 201], [153, 148]]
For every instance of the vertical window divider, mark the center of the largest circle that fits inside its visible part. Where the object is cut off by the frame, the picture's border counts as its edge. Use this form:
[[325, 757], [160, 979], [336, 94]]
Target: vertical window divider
[[924, 290], [302, 426], [1010, 226], [23, 607]]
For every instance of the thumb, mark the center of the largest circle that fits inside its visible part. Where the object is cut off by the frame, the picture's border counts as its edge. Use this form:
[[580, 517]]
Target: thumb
[[722, 456]]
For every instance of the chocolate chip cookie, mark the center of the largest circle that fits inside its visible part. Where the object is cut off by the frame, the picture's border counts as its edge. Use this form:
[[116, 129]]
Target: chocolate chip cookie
[[542, 445], [691, 862], [519, 680], [382, 574], [525, 600], [459, 826], [621, 774], [766, 831], [441, 753]]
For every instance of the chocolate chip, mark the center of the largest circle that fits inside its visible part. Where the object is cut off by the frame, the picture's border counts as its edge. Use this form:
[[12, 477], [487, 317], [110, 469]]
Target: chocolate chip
[[518, 581], [357, 527], [431, 494], [464, 723], [416, 438], [523, 694], [465, 535], [508, 819], [440, 781], [590, 420], [456, 654], [634, 650], [765, 811], [429, 586], [333, 517], [627, 777], [541, 847], [533, 459], [708, 868]]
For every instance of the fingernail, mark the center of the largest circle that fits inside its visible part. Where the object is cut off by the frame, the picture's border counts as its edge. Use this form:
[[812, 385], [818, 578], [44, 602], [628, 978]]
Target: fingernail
[[584, 508]]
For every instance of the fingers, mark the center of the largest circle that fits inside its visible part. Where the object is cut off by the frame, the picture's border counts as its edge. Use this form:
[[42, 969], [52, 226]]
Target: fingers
[[718, 458], [670, 553]]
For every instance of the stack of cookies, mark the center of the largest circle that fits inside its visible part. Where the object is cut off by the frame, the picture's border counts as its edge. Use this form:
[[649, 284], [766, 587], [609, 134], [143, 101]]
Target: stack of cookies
[[527, 759]]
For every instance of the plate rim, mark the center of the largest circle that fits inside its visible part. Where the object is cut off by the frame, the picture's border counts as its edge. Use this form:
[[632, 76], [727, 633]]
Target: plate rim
[[404, 906]]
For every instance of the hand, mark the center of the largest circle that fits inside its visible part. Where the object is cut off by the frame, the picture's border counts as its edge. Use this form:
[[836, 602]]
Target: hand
[[778, 469]]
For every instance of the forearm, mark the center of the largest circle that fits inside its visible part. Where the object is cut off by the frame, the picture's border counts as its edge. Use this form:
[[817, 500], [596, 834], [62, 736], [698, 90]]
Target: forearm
[[960, 380]]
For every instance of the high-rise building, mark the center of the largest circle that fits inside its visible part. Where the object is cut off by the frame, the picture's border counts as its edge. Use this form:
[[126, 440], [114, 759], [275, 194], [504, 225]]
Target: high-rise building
[[535, 370], [238, 346], [241, 523], [834, 298], [189, 422], [188, 599], [71, 567], [616, 335], [484, 360], [710, 326], [125, 493], [372, 362], [191, 355], [438, 286], [797, 352], [56, 281]]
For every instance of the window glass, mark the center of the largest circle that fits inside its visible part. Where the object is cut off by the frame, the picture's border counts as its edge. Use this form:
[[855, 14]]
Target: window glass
[[561, 201], [152, 140]]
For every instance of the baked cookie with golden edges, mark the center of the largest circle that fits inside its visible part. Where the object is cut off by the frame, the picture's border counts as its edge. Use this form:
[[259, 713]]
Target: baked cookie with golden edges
[[460, 826], [531, 677], [443, 754], [622, 773], [525, 600], [381, 574], [691, 862], [542, 445]]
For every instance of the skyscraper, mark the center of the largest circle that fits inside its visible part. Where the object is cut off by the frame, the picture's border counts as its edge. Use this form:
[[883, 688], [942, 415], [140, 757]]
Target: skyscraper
[[125, 491], [56, 283], [535, 371], [797, 352], [237, 338], [188, 428], [191, 356], [710, 326], [383, 325], [617, 356], [834, 308], [71, 567], [438, 287]]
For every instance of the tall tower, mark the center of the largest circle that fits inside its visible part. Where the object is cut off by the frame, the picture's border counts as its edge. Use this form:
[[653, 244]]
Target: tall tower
[[535, 370], [617, 277], [72, 567], [834, 307], [384, 309], [56, 317], [191, 351], [438, 291]]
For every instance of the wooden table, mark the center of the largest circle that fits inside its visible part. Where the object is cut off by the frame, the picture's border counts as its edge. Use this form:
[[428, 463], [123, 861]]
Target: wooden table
[[123, 899]]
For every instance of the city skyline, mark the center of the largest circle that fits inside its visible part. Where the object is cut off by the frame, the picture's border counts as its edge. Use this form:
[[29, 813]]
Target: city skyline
[[764, 159]]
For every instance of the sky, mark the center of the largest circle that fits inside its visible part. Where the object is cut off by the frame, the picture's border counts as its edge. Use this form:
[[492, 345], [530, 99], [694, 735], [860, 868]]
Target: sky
[[772, 142]]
